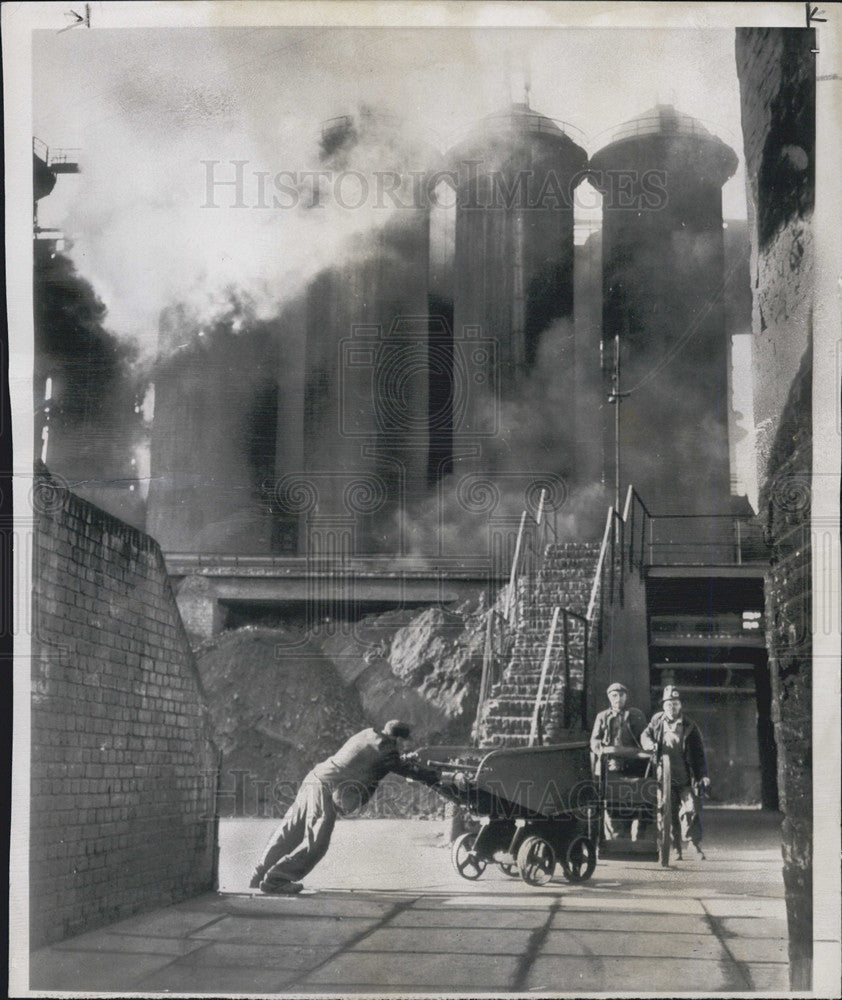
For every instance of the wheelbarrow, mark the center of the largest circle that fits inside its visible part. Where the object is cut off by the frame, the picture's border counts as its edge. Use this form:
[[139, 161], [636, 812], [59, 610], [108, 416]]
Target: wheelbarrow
[[537, 806]]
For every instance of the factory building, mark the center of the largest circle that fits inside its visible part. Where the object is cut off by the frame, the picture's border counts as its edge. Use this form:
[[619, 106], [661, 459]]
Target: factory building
[[86, 395], [393, 365], [213, 437], [516, 175], [365, 350], [663, 324]]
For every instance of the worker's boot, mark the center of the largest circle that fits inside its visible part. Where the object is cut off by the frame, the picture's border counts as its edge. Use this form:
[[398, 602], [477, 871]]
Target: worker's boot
[[280, 887], [696, 851]]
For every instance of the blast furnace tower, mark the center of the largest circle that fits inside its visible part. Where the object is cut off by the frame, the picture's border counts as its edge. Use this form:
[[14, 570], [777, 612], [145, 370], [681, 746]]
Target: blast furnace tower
[[661, 177], [365, 407], [516, 175], [213, 437]]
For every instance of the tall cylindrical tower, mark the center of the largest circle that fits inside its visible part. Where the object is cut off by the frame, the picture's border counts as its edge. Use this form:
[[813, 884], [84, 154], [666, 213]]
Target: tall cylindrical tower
[[661, 177], [212, 446], [365, 428], [516, 174]]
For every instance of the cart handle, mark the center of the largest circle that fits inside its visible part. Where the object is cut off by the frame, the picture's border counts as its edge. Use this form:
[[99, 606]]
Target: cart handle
[[630, 753]]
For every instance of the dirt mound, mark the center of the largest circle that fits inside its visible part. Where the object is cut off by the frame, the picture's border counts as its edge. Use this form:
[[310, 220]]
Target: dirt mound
[[422, 665], [283, 699], [278, 707]]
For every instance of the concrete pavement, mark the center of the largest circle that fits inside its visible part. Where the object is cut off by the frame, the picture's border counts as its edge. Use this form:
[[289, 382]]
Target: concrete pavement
[[386, 913]]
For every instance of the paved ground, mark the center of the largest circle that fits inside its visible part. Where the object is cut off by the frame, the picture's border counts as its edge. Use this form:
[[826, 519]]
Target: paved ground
[[385, 913]]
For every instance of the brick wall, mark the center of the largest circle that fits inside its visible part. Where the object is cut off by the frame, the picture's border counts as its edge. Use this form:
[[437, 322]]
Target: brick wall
[[776, 69], [123, 763], [777, 94], [785, 499]]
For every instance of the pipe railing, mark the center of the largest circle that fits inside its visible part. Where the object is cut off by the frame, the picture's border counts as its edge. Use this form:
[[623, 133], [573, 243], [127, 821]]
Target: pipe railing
[[498, 646], [704, 539], [546, 686], [638, 522], [638, 539], [535, 533], [690, 539], [609, 582]]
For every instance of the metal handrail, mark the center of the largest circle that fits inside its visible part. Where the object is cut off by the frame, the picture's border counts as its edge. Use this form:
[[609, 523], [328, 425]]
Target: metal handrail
[[599, 563], [546, 683], [629, 541], [673, 123], [495, 651], [644, 546], [69, 154], [535, 534], [548, 649], [540, 530]]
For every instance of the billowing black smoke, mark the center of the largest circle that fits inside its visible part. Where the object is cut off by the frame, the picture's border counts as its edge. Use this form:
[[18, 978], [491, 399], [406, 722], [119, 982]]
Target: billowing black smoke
[[94, 417]]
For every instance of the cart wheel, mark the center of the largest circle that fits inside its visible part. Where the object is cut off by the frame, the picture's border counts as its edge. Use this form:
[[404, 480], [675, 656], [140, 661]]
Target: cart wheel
[[665, 811], [536, 861], [465, 861], [579, 859], [511, 870]]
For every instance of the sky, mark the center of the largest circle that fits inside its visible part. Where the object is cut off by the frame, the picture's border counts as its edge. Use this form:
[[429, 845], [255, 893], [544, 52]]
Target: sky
[[148, 107]]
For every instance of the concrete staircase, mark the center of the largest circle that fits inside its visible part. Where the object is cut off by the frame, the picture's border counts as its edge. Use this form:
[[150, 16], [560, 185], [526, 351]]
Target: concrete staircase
[[564, 580]]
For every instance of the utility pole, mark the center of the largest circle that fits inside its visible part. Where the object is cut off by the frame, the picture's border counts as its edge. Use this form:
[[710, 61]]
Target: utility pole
[[616, 397]]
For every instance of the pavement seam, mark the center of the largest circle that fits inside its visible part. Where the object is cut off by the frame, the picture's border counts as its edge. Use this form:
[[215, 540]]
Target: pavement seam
[[351, 942], [168, 937], [719, 934], [533, 948], [177, 958]]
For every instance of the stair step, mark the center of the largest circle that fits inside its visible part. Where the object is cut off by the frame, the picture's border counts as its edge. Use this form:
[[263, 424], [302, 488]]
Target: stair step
[[564, 580]]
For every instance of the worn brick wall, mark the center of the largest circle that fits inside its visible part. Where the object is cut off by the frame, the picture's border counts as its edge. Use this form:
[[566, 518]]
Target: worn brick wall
[[776, 69], [123, 763], [777, 94], [785, 499]]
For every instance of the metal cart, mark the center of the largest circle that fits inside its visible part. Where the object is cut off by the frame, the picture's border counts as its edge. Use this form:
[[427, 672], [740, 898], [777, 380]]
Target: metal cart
[[538, 808]]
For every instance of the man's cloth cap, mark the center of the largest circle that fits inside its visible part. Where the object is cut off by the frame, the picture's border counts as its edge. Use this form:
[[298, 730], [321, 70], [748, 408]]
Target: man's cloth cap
[[396, 729], [617, 686], [671, 694]]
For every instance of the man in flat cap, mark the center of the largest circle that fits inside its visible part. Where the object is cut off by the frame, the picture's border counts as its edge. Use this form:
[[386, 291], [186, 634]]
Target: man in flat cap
[[675, 734], [337, 786], [618, 726]]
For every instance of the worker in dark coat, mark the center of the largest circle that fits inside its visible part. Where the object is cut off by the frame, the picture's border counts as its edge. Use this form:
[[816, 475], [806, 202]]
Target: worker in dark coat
[[337, 786], [618, 726], [676, 735]]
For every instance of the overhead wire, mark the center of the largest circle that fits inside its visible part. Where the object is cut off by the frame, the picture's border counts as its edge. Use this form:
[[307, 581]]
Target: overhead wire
[[693, 327]]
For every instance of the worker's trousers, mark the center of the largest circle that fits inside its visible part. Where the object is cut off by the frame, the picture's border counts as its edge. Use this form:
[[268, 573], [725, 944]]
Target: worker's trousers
[[686, 819], [302, 839]]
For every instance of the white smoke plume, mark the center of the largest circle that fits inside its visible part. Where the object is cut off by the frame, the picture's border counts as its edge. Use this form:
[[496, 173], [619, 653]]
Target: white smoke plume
[[147, 106]]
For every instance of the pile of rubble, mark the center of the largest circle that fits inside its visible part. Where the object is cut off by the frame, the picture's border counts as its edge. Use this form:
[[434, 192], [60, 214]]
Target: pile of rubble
[[284, 698]]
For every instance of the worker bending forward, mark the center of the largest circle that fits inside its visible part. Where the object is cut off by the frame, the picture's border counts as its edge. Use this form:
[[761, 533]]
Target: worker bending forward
[[339, 785]]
